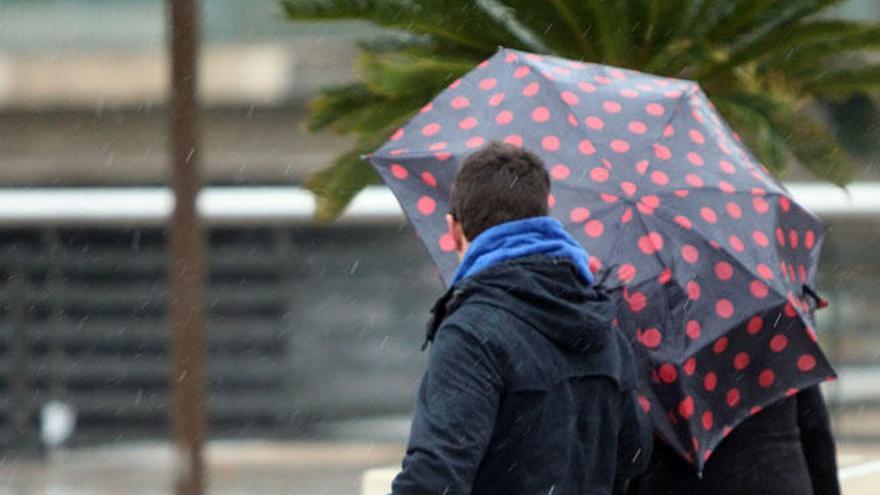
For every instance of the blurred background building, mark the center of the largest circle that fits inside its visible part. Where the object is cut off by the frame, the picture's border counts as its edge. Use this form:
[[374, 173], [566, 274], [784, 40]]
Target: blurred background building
[[311, 327]]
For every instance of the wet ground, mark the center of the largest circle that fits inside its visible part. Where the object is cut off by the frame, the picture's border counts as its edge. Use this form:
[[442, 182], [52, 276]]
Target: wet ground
[[270, 468]]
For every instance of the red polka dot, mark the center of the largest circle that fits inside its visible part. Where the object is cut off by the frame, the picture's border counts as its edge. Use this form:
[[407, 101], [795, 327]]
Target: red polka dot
[[784, 203], [693, 329], [766, 378], [629, 93], [726, 187], [708, 214], [665, 276], [541, 114], [586, 147], [760, 205], [693, 290], [559, 171], [809, 239], [684, 222], [734, 210], [755, 325], [611, 106], [723, 270], [655, 109], [594, 123], [637, 127], [551, 200], [594, 228], [443, 156], [550, 143], [793, 238], [736, 244], [689, 366], [569, 98], [619, 146], [431, 129], [446, 243], [710, 381], [686, 407], [695, 158], [626, 272], [668, 373], [642, 166], [778, 343], [628, 188], [572, 120], [595, 264], [426, 205], [514, 140], [429, 179], [659, 178], [806, 362], [488, 83], [467, 123], [504, 117], [587, 87], [759, 289], [668, 131], [651, 338], [438, 146], [733, 397], [531, 89], [690, 253], [696, 136], [662, 152], [496, 99], [720, 345], [694, 180], [644, 403], [460, 102], [522, 71], [707, 421], [599, 174], [741, 361], [651, 243], [608, 198], [780, 237], [602, 80], [474, 142], [724, 308], [579, 215], [637, 301], [398, 171], [427, 108], [760, 238]]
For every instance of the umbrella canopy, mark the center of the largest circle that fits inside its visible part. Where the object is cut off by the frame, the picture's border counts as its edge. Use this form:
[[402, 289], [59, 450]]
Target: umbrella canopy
[[709, 258]]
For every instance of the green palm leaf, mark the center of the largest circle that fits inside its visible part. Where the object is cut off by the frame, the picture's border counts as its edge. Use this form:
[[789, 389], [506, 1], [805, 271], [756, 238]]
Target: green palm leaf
[[762, 61]]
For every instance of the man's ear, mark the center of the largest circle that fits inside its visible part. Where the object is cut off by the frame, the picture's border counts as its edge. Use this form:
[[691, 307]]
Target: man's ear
[[456, 233]]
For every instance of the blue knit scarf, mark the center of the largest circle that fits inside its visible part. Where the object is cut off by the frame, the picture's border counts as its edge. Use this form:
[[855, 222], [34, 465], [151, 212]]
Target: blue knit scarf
[[521, 238]]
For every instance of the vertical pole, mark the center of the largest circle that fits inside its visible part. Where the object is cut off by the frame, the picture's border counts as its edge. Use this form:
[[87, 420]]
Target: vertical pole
[[187, 256]]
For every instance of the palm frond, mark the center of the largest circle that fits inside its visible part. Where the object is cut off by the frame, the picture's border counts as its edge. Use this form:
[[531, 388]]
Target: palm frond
[[838, 84]]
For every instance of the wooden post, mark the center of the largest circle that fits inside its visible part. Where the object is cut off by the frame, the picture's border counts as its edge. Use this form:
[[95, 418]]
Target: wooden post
[[187, 266]]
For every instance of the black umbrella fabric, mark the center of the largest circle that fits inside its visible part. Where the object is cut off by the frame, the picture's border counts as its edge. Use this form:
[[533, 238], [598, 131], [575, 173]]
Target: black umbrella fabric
[[709, 258]]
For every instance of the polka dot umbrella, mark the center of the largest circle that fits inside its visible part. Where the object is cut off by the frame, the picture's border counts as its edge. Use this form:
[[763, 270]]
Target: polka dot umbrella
[[709, 258]]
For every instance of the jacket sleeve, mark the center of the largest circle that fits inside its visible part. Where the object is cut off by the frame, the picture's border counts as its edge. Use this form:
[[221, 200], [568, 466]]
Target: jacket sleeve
[[635, 442], [454, 418], [817, 441]]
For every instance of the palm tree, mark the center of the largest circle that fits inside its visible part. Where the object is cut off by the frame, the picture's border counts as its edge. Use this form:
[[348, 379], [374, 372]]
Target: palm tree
[[766, 64]]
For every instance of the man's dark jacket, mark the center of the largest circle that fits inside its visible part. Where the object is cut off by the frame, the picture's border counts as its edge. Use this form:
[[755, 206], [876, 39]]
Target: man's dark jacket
[[529, 389]]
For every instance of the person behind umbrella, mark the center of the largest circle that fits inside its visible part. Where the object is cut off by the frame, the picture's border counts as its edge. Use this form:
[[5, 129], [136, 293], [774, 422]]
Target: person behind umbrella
[[529, 387]]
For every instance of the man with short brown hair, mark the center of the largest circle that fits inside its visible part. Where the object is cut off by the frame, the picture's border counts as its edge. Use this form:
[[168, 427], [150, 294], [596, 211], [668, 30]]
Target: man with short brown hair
[[529, 388]]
